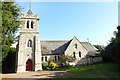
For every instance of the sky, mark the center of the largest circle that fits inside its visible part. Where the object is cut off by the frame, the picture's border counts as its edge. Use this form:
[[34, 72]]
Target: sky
[[64, 20]]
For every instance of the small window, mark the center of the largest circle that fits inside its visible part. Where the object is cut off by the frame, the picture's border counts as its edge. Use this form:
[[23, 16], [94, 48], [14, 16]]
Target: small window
[[42, 58], [29, 44], [55, 58], [76, 46], [58, 58], [27, 24], [45, 58], [74, 55], [32, 24], [79, 54]]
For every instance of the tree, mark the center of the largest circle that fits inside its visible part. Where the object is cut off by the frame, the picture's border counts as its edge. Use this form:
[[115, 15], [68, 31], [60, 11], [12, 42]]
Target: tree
[[8, 64], [112, 51], [66, 58], [10, 24], [99, 47]]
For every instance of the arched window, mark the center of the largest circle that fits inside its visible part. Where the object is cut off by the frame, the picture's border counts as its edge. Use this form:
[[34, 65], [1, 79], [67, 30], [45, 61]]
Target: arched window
[[55, 58], [74, 55], [45, 58], [58, 57], [79, 54], [76, 46], [32, 24], [29, 44], [42, 58], [27, 24]]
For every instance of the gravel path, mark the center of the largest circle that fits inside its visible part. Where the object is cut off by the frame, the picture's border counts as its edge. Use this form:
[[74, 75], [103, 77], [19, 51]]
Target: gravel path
[[36, 75]]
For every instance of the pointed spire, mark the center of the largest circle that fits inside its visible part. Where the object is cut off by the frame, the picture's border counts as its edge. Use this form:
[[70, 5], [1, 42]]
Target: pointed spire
[[29, 12]]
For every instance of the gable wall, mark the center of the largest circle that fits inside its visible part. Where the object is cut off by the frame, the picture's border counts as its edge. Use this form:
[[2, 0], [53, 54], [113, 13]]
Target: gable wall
[[71, 48]]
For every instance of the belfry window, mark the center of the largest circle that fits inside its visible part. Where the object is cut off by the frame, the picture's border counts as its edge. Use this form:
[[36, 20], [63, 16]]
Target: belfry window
[[29, 44], [32, 24], [27, 24]]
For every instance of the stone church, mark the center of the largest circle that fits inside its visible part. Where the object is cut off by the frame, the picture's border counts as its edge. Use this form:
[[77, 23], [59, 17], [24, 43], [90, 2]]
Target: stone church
[[31, 51]]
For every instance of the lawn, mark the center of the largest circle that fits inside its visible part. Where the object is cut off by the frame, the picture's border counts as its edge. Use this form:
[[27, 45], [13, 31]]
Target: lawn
[[96, 71]]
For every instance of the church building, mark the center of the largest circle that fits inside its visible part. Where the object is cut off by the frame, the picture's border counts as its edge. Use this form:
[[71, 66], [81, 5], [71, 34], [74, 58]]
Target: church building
[[31, 51]]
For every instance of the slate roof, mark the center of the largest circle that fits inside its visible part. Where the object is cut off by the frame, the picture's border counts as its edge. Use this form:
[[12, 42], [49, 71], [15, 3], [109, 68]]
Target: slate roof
[[54, 47], [59, 47], [88, 46], [29, 12], [92, 51]]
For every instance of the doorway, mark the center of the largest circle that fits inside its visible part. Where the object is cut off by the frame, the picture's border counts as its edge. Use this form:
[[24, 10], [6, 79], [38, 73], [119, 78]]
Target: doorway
[[29, 65]]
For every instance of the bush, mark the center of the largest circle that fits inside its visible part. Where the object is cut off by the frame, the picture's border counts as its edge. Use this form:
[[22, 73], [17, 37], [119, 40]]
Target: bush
[[49, 65], [44, 65], [65, 59], [52, 65]]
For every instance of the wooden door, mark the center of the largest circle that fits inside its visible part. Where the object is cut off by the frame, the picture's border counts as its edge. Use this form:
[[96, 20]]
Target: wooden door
[[29, 65]]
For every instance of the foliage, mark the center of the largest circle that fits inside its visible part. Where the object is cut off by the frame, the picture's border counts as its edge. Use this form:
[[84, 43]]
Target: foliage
[[8, 64], [49, 65], [100, 48], [52, 65], [44, 65], [10, 23], [65, 59], [112, 51]]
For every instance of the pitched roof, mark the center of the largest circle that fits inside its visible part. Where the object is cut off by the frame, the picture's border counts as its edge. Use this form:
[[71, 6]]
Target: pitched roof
[[92, 51], [54, 47], [59, 47], [88, 46], [29, 12]]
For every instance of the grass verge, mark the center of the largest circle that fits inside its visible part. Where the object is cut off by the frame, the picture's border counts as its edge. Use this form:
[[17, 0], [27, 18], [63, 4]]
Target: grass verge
[[108, 71]]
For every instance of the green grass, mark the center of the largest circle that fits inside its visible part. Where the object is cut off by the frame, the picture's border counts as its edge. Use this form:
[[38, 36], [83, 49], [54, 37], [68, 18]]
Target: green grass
[[108, 69], [94, 71]]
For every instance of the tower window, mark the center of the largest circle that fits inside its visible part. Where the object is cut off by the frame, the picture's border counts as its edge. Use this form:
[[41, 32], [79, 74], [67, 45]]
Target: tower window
[[76, 46], [27, 24], [74, 55], [29, 44], [32, 24], [79, 54]]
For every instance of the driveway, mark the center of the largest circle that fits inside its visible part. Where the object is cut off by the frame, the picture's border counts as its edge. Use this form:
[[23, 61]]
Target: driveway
[[39, 75]]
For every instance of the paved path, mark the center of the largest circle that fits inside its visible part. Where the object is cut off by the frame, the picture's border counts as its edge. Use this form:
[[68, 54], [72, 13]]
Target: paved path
[[36, 75]]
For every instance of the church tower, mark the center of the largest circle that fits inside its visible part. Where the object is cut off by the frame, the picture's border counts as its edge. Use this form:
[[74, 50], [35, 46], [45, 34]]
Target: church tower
[[29, 47]]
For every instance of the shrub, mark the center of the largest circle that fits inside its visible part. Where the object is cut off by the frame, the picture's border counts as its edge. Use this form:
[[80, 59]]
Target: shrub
[[65, 59], [52, 65], [44, 65]]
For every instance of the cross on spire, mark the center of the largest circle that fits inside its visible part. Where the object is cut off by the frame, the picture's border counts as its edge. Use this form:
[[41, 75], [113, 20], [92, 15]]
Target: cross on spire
[[29, 11], [30, 4], [88, 39]]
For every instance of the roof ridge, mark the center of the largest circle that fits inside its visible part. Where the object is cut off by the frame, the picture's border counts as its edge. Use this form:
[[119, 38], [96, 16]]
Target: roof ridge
[[54, 40], [84, 42]]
